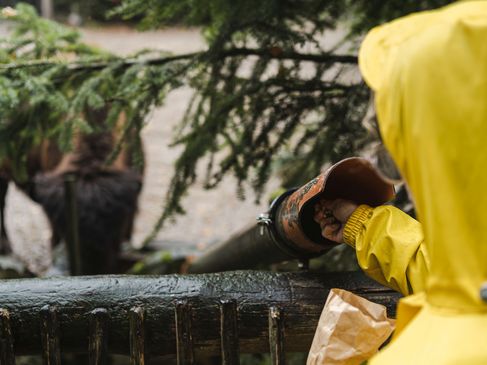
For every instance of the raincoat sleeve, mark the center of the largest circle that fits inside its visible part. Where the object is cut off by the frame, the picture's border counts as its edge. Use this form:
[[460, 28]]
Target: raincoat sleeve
[[389, 247]]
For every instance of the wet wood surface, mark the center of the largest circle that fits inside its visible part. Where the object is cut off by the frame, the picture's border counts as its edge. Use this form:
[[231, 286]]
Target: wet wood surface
[[229, 332], [137, 336], [184, 332], [276, 336], [7, 356], [97, 345], [142, 315], [49, 331]]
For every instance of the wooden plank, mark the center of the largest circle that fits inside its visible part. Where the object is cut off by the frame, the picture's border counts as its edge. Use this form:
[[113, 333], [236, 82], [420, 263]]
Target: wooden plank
[[276, 336], [137, 336], [7, 355], [97, 342], [184, 338], [229, 332], [51, 350]]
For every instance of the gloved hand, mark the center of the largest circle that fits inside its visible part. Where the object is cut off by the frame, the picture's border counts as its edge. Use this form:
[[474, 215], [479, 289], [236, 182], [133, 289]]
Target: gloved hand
[[332, 215]]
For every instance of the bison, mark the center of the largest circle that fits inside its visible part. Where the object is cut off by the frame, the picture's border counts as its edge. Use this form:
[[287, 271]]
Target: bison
[[107, 194]]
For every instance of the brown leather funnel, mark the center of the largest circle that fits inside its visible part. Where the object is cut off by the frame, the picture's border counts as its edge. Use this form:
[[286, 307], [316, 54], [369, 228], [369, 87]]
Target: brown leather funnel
[[292, 214]]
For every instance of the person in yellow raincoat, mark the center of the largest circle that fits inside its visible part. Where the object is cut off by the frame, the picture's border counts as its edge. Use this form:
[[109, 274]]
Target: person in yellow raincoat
[[429, 74]]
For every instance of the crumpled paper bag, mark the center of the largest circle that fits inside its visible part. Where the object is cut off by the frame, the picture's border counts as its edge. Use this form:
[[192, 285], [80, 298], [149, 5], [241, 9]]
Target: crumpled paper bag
[[350, 330]]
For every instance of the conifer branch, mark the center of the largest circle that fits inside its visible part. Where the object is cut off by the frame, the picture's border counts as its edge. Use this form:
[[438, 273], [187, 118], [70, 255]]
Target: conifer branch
[[273, 53], [279, 54]]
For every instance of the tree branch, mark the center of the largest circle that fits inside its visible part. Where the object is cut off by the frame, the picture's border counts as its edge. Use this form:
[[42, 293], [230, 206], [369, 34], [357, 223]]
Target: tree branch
[[273, 53], [277, 53]]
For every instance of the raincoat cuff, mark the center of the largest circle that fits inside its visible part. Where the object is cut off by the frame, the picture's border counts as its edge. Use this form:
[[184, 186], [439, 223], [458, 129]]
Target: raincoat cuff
[[355, 223]]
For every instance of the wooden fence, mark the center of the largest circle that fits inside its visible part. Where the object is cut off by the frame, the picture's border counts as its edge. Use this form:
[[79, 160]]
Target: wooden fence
[[186, 316]]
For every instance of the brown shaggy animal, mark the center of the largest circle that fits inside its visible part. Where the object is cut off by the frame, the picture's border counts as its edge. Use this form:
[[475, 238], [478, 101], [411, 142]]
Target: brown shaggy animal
[[106, 195]]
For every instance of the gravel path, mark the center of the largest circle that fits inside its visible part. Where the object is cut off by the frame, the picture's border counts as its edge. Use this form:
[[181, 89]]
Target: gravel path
[[211, 215]]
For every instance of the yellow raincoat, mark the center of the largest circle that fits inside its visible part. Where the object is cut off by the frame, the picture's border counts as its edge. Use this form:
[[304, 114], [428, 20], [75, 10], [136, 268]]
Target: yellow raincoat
[[429, 74]]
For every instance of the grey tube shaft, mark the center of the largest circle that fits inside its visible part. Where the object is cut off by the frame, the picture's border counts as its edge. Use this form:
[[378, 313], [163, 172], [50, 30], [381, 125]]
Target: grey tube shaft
[[245, 250]]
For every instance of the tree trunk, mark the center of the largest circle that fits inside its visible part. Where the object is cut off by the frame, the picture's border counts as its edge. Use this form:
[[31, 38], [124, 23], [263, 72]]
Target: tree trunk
[[47, 10]]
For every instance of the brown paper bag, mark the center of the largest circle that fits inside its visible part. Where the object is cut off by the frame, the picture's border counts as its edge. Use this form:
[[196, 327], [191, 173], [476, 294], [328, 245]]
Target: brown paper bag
[[350, 330]]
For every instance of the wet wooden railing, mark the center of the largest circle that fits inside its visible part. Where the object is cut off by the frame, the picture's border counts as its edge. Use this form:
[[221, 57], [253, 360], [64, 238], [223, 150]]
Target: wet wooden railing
[[186, 316]]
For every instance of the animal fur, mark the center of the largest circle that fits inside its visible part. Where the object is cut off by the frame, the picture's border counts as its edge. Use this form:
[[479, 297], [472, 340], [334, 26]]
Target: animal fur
[[106, 195]]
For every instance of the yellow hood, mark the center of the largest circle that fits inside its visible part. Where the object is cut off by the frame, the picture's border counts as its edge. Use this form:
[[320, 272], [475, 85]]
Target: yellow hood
[[429, 73]]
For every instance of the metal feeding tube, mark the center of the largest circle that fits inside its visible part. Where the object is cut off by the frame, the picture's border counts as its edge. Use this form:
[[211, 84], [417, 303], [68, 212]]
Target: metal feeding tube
[[288, 230]]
